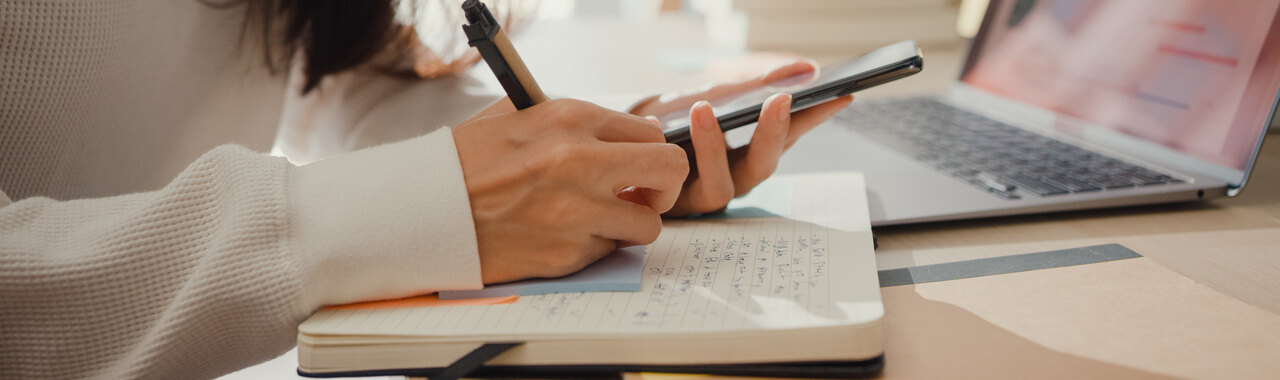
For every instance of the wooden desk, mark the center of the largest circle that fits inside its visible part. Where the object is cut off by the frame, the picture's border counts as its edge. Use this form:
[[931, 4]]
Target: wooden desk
[[1230, 245]]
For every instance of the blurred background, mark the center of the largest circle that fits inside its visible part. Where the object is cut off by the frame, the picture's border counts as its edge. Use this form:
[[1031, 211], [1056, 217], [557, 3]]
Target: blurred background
[[605, 50], [652, 46], [812, 25]]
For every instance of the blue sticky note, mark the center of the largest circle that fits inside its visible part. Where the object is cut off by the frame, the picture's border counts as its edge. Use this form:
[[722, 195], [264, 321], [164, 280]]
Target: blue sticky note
[[617, 272]]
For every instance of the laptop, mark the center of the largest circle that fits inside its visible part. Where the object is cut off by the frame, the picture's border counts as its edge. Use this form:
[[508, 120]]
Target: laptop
[[1067, 105]]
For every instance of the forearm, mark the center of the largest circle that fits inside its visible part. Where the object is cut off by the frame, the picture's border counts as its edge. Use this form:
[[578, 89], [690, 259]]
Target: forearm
[[214, 272]]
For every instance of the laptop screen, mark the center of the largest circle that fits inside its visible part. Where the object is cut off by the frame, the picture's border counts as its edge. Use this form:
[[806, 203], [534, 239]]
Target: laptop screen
[[1196, 76]]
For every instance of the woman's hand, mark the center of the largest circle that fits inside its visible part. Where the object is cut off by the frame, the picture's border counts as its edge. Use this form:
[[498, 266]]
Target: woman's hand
[[724, 173], [544, 185]]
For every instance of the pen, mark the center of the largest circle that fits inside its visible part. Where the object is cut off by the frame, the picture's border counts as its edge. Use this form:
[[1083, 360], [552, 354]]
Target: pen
[[486, 35]]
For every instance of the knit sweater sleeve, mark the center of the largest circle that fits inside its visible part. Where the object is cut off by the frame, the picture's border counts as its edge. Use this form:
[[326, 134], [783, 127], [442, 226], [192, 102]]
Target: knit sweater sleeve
[[215, 271]]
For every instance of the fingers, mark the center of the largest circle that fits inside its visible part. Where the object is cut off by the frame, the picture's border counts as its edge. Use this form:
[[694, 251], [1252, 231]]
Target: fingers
[[633, 153], [795, 73], [634, 195], [792, 74], [767, 144], [654, 120], [588, 252], [607, 125], [714, 184], [658, 169], [627, 128], [804, 121], [629, 223]]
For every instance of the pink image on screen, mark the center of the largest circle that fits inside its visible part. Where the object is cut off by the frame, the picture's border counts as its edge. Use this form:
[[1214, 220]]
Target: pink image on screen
[[1192, 75]]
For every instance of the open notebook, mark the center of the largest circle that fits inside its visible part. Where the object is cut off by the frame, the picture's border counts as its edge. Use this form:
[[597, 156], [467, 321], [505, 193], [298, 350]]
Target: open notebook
[[769, 294]]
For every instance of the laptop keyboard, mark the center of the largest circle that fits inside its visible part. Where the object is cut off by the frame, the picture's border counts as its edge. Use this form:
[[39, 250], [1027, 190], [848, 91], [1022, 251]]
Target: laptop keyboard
[[992, 155]]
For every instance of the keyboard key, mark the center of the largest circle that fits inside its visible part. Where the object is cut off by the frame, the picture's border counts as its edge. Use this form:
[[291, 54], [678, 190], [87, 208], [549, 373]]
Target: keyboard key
[[1143, 179], [1034, 185], [1112, 183], [1072, 185], [1000, 169], [991, 154], [992, 183], [966, 172], [1055, 178]]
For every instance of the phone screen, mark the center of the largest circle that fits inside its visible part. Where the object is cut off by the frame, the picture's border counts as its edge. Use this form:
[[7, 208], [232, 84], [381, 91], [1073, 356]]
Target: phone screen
[[866, 66]]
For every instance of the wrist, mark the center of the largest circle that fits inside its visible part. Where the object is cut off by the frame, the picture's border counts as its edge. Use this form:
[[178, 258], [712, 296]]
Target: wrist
[[386, 222]]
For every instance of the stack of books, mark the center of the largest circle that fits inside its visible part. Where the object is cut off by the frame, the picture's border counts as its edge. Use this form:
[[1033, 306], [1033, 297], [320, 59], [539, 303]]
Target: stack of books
[[829, 25]]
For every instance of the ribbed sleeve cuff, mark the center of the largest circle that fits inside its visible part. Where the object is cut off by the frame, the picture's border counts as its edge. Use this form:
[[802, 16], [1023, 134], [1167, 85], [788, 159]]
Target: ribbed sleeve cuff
[[386, 222]]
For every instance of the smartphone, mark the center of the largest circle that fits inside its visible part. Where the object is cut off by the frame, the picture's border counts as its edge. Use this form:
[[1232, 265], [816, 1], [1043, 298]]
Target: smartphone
[[880, 66]]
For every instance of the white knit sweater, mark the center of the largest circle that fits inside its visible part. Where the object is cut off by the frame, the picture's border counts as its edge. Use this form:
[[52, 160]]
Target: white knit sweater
[[131, 247]]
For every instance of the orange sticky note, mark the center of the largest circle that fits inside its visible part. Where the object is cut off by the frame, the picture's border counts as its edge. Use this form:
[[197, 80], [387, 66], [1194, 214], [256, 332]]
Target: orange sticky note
[[429, 300]]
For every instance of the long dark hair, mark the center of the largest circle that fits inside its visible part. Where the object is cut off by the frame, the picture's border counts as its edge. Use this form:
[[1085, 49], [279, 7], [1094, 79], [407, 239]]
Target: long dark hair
[[336, 35]]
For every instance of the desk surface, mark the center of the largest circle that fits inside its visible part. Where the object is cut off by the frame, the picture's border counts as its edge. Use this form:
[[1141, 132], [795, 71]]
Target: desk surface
[[1232, 245], [1229, 245]]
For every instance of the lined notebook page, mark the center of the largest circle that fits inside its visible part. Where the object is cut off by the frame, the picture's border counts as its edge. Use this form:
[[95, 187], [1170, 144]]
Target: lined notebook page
[[812, 267]]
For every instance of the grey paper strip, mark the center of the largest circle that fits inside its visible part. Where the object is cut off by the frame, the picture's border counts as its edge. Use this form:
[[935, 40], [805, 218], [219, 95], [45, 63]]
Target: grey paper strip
[[1005, 264]]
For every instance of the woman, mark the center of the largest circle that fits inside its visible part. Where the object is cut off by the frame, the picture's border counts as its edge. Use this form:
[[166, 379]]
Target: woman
[[143, 236]]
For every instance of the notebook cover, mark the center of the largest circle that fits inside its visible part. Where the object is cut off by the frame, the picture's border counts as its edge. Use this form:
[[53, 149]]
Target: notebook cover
[[829, 370]]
